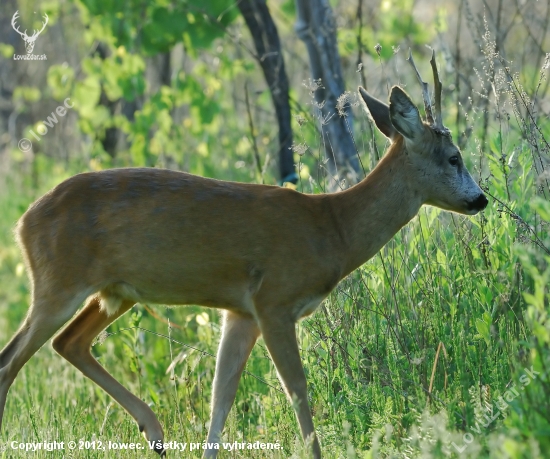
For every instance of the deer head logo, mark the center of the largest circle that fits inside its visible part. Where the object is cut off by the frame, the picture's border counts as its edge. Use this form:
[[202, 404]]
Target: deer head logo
[[29, 41]]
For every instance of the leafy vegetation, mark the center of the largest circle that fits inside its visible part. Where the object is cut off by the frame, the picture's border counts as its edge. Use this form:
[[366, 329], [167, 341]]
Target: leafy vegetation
[[438, 347]]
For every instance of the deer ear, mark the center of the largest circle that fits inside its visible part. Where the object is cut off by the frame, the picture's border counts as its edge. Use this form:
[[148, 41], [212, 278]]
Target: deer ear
[[379, 112], [404, 114]]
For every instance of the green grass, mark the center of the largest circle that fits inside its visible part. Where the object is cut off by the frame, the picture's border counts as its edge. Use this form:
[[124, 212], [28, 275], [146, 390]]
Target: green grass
[[369, 354]]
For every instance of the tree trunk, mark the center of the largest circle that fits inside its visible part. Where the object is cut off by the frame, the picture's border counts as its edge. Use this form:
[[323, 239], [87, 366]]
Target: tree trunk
[[269, 56], [316, 27]]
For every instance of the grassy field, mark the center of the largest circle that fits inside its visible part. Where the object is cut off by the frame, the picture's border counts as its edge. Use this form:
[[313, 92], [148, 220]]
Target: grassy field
[[409, 357], [438, 347]]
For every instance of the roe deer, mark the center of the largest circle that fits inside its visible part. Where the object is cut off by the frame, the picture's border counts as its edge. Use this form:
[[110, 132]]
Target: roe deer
[[121, 236]]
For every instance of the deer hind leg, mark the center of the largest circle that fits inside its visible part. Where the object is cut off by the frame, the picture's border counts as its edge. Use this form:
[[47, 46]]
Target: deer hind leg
[[280, 338], [239, 334], [74, 343], [47, 314]]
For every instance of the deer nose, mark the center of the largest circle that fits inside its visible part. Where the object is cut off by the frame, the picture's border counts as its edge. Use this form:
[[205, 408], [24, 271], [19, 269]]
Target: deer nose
[[478, 203]]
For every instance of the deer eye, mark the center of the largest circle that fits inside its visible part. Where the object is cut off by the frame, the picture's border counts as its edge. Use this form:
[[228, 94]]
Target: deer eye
[[453, 160]]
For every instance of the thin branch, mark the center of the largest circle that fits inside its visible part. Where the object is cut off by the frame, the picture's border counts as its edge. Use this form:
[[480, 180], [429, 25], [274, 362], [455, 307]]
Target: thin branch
[[252, 134]]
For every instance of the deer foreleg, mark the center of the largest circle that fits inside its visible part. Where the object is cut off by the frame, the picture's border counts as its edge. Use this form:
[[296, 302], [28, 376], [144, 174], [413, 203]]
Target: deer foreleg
[[239, 334]]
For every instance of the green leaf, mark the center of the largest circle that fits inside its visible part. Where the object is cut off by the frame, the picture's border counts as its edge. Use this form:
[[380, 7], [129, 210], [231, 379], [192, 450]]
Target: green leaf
[[541, 206], [154, 396], [164, 29], [86, 96], [484, 330], [6, 51], [26, 93], [60, 80]]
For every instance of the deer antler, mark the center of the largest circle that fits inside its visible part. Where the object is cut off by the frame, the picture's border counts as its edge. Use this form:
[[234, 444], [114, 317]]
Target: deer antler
[[437, 87], [24, 34], [437, 122], [16, 28], [425, 92], [38, 32]]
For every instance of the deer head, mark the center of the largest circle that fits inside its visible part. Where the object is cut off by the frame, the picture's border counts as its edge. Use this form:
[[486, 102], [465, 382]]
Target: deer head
[[434, 162], [29, 41]]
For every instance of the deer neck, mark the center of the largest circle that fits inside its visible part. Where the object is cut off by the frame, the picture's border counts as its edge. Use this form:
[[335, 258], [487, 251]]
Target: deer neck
[[372, 212]]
